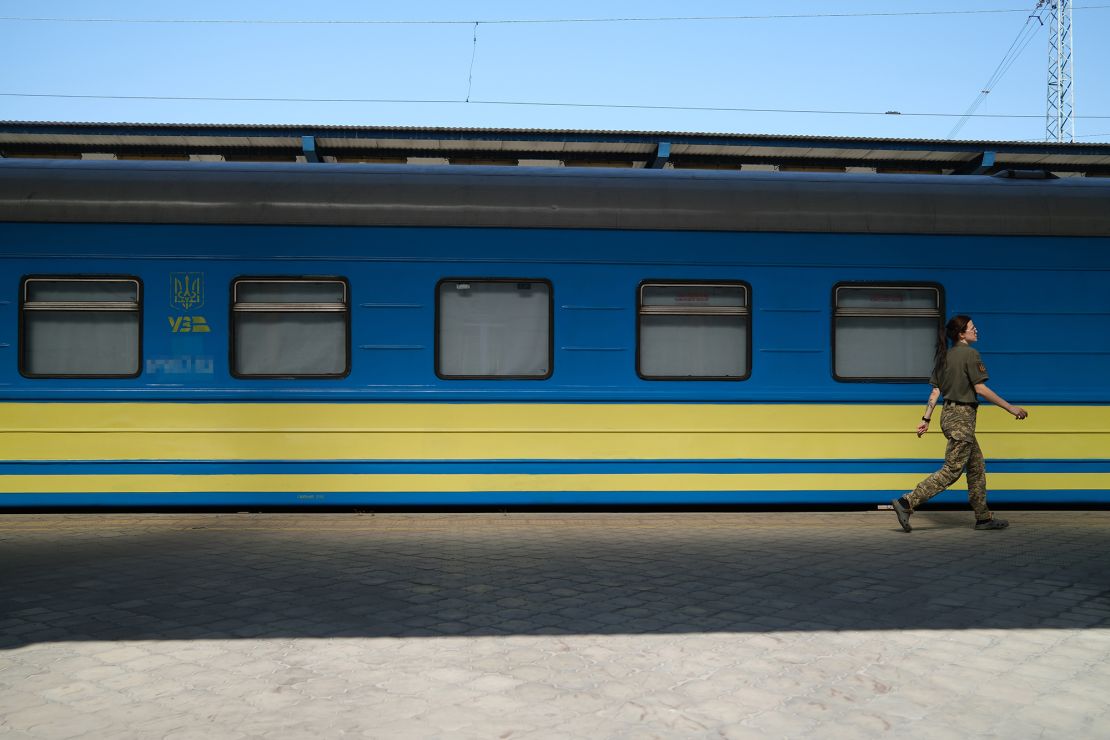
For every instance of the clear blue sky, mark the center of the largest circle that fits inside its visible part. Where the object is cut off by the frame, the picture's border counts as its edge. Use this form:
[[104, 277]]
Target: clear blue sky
[[909, 63]]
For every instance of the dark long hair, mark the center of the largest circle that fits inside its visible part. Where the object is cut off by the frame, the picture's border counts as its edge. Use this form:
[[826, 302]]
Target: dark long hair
[[949, 335]]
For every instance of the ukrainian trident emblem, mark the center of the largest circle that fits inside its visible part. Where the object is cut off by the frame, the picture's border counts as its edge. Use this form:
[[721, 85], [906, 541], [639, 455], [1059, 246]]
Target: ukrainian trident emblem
[[188, 290]]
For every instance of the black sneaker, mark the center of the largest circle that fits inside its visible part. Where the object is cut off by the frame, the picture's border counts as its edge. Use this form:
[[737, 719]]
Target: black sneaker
[[904, 514], [992, 523]]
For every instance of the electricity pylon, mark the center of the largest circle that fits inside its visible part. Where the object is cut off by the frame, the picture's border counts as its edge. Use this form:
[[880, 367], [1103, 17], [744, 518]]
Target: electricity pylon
[[1059, 118]]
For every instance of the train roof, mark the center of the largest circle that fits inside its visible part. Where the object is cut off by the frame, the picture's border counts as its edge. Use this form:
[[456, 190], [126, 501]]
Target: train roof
[[471, 146], [536, 197]]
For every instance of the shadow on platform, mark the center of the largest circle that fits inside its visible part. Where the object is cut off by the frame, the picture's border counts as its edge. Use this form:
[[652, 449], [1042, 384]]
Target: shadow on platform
[[184, 577]]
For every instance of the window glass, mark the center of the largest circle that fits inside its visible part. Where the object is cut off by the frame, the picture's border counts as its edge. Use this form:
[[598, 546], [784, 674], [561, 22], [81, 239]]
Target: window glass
[[290, 328], [885, 332], [80, 327], [693, 296], [494, 329], [694, 331], [285, 291], [883, 297], [47, 289]]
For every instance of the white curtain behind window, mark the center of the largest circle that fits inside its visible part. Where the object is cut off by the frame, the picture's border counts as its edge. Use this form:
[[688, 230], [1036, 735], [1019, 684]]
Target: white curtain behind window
[[294, 343], [81, 342], [290, 327], [693, 346], [494, 328], [885, 347], [78, 326], [885, 331]]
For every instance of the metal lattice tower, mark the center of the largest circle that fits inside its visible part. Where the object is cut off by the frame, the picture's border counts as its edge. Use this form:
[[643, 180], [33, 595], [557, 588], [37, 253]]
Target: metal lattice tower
[[1059, 119]]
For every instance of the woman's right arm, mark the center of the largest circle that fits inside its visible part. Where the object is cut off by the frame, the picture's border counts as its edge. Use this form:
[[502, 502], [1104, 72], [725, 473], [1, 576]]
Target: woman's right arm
[[932, 404]]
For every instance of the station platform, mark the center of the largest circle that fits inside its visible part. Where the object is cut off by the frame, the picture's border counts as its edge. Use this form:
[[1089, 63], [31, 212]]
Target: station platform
[[554, 625]]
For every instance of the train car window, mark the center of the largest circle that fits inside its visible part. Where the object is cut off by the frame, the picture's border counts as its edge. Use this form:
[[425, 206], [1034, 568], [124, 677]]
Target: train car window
[[493, 328], [884, 332], [290, 328], [694, 331], [80, 327]]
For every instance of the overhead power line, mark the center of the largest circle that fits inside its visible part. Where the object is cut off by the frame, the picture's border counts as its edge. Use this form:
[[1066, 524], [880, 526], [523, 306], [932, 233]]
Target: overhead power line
[[473, 56], [538, 103], [471, 21], [1084, 136], [1028, 32]]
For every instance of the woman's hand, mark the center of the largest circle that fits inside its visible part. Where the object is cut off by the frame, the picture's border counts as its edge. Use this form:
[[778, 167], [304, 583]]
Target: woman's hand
[[922, 428], [1018, 412]]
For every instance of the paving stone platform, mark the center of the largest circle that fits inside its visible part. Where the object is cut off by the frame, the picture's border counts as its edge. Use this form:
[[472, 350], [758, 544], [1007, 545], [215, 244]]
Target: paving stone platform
[[549, 625]]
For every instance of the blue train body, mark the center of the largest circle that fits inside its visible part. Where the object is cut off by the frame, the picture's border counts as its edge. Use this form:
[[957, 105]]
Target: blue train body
[[393, 429]]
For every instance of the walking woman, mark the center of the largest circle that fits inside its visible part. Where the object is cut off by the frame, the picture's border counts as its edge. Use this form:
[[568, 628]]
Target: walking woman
[[960, 377]]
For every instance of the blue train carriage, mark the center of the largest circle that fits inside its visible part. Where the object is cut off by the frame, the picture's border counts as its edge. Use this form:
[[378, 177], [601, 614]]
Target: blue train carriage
[[276, 335]]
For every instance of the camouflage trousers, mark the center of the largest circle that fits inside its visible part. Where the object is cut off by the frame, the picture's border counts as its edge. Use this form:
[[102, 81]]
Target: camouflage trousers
[[962, 454]]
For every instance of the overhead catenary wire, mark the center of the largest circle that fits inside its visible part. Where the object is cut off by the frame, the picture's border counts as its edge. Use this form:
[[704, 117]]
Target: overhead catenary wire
[[491, 21], [1084, 136], [1019, 44], [542, 103], [473, 56], [1027, 33]]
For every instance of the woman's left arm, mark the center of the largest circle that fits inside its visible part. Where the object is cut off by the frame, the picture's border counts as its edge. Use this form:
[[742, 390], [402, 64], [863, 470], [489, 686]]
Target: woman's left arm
[[1018, 412]]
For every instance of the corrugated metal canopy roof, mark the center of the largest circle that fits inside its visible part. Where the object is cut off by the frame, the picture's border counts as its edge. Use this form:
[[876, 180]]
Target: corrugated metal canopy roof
[[686, 149]]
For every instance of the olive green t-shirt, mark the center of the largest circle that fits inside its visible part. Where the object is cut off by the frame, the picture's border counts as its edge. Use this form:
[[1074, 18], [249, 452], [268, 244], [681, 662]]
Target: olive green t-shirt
[[962, 370]]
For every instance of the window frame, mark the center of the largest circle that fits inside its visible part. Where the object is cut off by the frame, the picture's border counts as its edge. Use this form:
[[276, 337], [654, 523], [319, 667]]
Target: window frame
[[746, 312], [882, 285], [286, 308], [25, 280], [437, 354]]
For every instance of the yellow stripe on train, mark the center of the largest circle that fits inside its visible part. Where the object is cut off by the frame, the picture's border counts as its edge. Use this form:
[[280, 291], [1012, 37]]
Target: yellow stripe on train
[[495, 482], [541, 431]]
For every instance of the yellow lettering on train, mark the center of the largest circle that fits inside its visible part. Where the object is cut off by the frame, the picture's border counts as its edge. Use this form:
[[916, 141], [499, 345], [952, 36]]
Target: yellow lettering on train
[[189, 324]]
